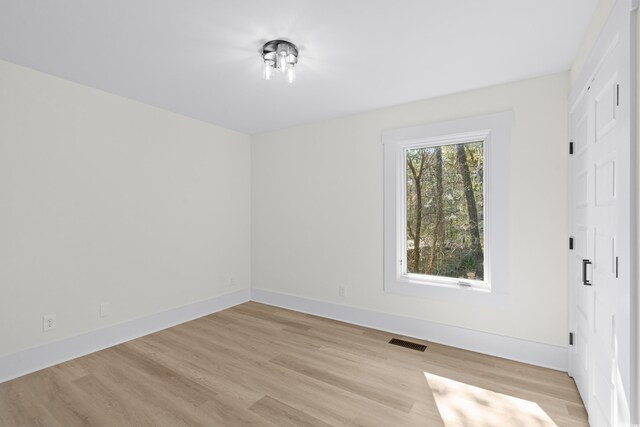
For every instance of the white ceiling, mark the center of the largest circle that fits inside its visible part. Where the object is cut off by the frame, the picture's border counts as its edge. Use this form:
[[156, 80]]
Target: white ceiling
[[201, 58]]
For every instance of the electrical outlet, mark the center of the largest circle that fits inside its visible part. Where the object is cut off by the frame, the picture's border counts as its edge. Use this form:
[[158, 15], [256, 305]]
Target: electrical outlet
[[105, 309], [49, 322], [342, 291]]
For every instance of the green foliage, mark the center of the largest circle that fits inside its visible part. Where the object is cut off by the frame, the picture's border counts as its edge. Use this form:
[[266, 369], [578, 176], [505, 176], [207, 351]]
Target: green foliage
[[445, 234]]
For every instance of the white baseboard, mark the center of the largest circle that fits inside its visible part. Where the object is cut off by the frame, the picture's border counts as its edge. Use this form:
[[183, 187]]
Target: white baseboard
[[26, 361], [546, 355]]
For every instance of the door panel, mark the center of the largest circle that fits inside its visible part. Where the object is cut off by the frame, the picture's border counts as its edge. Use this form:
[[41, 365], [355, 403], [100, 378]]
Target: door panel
[[605, 175], [581, 131], [581, 189], [605, 104], [603, 394]]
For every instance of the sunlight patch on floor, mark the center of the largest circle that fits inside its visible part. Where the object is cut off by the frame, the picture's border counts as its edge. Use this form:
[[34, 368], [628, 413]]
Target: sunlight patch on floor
[[462, 404]]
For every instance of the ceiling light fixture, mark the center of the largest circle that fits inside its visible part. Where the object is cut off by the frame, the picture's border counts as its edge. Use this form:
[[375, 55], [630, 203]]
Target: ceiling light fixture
[[280, 55]]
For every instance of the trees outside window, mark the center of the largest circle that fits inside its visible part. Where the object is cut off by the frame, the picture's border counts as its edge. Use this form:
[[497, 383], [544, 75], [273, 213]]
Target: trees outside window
[[444, 210]]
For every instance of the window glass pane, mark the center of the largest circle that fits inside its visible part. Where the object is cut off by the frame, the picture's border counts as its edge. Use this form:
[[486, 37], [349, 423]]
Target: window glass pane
[[445, 210]]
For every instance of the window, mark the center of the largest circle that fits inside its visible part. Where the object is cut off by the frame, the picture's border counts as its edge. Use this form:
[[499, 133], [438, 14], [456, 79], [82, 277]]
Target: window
[[444, 210], [446, 207]]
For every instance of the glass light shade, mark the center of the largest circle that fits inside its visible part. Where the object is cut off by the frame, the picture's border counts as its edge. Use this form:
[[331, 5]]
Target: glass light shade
[[267, 72], [291, 74], [282, 62]]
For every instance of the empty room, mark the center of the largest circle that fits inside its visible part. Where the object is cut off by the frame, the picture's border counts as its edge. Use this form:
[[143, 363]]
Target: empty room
[[319, 213]]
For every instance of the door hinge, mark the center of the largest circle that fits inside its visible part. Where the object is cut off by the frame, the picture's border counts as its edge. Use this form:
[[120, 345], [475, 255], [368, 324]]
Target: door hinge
[[570, 338], [571, 148], [616, 267], [618, 95], [571, 243]]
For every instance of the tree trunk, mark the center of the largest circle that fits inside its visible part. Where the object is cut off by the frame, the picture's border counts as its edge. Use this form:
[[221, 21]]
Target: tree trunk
[[472, 209], [418, 230], [438, 227], [414, 266]]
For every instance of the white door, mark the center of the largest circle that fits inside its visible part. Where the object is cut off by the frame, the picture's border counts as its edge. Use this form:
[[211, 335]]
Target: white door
[[581, 217], [600, 227], [603, 161]]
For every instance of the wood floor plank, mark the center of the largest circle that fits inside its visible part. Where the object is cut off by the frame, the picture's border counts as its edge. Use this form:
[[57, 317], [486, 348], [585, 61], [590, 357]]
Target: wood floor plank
[[258, 365], [284, 415], [358, 385]]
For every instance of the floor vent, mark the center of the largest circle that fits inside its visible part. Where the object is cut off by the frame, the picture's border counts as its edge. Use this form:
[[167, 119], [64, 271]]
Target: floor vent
[[408, 344]]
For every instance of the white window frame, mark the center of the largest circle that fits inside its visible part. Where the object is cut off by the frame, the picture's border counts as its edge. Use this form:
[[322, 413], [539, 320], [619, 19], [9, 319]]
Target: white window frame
[[494, 130], [401, 214]]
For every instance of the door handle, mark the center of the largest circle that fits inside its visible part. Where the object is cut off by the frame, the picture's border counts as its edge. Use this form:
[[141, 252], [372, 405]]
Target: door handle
[[585, 282]]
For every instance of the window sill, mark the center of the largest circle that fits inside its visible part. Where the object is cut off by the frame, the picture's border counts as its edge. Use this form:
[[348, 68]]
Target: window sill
[[448, 283], [475, 295]]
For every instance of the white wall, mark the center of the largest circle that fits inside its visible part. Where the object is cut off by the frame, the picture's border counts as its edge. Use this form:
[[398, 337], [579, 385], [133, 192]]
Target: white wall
[[103, 199], [317, 200]]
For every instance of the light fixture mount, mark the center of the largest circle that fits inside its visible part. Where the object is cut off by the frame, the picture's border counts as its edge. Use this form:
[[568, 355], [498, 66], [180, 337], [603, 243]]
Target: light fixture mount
[[280, 55]]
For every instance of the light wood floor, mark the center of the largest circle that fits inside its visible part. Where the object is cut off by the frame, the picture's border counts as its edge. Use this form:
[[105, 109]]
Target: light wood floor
[[259, 365]]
